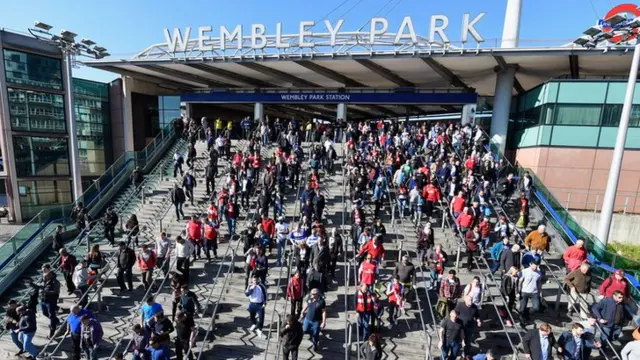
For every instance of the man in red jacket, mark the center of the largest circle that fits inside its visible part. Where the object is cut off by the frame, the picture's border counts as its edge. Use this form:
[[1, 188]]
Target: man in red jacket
[[457, 204], [431, 193], [575, 256], [269, 226], [464, 221], [615, 282], [295, 293], [485, 233], [375, 249], [194, 234], [368, 272]]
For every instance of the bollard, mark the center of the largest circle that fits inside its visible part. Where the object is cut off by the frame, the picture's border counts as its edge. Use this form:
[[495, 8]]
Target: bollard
[[626, 203], [595, 208], [568, 200]]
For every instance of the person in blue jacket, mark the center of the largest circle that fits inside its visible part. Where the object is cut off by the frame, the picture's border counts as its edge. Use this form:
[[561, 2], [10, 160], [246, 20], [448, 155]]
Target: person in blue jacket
[[605, 312], [486, 356], [158, 348], [574, 345]]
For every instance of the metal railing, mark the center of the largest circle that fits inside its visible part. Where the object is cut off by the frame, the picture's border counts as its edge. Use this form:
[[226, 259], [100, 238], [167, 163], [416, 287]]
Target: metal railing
[[281, 315], [248, 219], [570, 230], [45, 222], [591, 200]]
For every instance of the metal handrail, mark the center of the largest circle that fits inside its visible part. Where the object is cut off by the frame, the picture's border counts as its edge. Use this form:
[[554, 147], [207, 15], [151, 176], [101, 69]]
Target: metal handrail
[[88, 230], [248, 220], [487, 288], [217, 276], [298, 210], [154, 279], [424, 328]]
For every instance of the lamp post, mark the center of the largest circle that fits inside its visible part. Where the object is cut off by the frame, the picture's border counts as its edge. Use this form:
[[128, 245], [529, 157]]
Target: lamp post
[[624, 30], [70, 49]]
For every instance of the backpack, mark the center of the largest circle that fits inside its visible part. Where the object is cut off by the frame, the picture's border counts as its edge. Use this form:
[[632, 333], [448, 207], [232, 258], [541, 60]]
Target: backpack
[[442, 307], [496, 250]]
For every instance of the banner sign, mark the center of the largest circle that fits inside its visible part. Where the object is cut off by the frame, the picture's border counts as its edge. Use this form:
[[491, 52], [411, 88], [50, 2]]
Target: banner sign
[[332, 98], [258, 37]]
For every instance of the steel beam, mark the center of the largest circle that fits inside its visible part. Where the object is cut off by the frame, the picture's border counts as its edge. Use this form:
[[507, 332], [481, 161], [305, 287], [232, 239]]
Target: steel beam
[[385, 73], [189, 77], [503, 66], [231, 75], [574, 66], [280, 75], [147, 78], [446, 74], [329, 74]]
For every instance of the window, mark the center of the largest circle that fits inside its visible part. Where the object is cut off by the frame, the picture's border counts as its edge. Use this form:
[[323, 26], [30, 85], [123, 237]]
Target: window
[[574, 114], [32, 70], [92, 114], [40, 194], [36, 111], [41, 156], [612, 112]]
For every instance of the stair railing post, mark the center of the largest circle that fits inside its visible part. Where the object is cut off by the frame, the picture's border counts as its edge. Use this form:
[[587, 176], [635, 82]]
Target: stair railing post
[[458, 258]]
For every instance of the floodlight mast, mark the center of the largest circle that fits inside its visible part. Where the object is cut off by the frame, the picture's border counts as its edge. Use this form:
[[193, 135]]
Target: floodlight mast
[[66, 41], [625, 31]]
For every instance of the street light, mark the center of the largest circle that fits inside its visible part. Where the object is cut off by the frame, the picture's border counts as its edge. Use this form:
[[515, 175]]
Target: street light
[[625, 29], [66, 42]]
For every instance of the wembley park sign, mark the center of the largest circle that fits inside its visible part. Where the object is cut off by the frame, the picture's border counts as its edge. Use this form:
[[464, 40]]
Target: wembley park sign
[[260, 37]]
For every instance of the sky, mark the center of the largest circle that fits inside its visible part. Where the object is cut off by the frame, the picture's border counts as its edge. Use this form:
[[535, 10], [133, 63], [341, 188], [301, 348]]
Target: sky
[[126, 27]]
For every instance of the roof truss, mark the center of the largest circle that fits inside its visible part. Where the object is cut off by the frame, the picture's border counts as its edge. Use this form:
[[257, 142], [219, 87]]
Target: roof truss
[[445, 73]]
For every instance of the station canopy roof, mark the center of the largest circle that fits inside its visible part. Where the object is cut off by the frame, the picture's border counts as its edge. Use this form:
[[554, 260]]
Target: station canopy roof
[[473, 69]]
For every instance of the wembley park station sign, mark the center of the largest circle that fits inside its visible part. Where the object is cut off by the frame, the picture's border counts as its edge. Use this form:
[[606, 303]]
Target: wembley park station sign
[[259, 36]]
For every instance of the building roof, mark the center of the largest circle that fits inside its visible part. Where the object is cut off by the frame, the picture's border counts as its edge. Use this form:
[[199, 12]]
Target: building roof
[[440, 68]]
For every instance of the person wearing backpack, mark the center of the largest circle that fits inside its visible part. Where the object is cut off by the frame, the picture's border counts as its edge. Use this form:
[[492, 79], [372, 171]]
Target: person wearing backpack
[[188, 183], [178, 160], [257, 294], [496, 253], [615, 282]]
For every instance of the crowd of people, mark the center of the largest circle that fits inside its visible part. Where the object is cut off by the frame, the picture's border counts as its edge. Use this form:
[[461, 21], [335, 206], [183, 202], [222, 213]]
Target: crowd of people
[[421, 172]]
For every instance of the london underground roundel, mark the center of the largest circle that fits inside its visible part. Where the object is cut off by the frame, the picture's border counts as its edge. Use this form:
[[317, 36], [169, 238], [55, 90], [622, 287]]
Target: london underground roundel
[[631, 10]]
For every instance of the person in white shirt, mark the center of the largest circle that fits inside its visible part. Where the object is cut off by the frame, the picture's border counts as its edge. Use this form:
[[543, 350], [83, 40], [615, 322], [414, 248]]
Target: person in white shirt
[[282, 233], [184, 250], [80, 279], [257, 294], [474, 290], [163, 250]]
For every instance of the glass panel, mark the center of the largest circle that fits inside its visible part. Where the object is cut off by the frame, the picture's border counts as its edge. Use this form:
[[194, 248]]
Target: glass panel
[[578, 136], [40, 156], [36, 111], [582, 92], [612, 112], [170, 103], [32, 70], [39, 194], [573, 114]]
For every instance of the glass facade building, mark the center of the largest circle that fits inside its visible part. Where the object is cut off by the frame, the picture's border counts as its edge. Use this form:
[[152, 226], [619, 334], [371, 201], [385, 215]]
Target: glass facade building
[[168, 109], [578, 113], [38, 123]]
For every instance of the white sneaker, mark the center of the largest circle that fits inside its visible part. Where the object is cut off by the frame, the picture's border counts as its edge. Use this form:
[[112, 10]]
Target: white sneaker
[[259, 333], [253, 327]]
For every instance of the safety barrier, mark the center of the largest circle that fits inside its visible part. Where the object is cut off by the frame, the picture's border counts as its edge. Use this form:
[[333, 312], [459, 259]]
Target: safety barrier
[[22, 249]]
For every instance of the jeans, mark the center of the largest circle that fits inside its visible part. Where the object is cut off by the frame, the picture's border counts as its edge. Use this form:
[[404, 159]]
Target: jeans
[[535, 303], [312, 328], [182, 348], [281, 243], [147, 278], [256, 309], [76, 340], [484, 243], [293, 351], [27, 345], [15, 337], [231, 223], [402, 205], [183, 265], [164, 263], [176, 168], [109, 234], [179, 211], [91, 353], [363, 325], [450, 349], [49, 309], [433, 279], [610, 333]]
